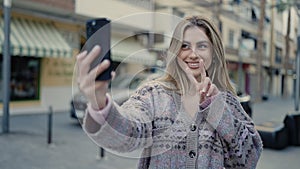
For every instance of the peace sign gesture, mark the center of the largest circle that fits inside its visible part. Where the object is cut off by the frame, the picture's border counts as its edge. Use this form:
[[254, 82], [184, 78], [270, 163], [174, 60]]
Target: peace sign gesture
[[200, 91], [205, 88]]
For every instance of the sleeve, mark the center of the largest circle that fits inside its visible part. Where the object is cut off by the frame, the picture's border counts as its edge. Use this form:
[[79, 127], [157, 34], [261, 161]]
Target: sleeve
[[99, 116], [242, 144], [126, 128]]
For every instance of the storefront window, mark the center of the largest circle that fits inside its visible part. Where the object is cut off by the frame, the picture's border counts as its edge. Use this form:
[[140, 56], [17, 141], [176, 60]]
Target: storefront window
[[24, 78]]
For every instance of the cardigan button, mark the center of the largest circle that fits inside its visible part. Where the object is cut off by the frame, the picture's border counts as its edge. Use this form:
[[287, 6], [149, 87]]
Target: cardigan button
[[192, 153], [193, 127]]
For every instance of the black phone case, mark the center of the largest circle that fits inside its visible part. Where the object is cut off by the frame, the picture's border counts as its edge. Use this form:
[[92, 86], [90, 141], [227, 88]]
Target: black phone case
[[98, 31]]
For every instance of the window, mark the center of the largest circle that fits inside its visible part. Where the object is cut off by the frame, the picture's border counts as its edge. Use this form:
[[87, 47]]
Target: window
[[220, 26], [178, 12], [278, 55], [24, 79], [266, 49], [231, 38]]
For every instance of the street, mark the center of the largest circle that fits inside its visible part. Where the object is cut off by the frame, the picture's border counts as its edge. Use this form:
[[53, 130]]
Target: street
[[25, 147]]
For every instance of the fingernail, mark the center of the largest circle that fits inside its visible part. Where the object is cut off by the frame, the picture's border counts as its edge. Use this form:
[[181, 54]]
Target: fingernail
[[96, 47], [207, 95], [81, 54], [105, 61]]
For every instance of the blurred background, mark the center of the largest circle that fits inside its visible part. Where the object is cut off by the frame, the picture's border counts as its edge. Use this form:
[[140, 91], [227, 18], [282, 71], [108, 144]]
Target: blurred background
[[260, 39]]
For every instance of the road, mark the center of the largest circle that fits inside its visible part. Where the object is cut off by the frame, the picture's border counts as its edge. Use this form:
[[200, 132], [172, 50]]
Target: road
[[25, 147]]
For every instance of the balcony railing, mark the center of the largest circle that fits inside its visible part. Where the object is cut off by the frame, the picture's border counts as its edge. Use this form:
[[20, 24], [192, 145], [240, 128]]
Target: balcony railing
[[147, 4], [232, 51], [248, 58], [68, 5]]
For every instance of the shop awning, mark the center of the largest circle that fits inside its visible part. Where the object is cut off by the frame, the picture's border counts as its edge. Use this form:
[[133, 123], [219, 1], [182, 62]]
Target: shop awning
[[129, 51], [35, 38]]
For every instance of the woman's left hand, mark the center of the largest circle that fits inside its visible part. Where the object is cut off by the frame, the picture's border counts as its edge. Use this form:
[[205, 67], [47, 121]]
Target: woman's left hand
[[205, 87], [199, 91]]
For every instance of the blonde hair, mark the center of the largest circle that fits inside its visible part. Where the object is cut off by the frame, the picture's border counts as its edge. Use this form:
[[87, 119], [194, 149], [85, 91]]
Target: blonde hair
[[217, 71]]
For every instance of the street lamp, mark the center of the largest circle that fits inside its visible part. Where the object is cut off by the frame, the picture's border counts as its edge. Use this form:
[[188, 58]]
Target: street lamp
[[297, 61], [6, 66]]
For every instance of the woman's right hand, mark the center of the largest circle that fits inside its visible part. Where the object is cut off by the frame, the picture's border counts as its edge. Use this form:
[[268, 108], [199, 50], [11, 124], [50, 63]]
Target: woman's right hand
[[95, 91]]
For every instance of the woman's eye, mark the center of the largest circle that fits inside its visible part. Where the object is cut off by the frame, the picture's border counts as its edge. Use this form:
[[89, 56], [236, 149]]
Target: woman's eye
[[184, 46], [202, 46]]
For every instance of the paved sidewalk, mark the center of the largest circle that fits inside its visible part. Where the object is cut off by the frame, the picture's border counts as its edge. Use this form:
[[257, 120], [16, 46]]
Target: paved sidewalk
[[275, 109], [26, 146]]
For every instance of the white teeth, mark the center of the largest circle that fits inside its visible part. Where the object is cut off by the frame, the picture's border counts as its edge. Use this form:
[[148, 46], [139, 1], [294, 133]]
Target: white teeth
[[194, 64]]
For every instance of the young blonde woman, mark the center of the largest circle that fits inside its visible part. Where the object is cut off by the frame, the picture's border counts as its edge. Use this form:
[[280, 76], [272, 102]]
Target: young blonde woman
[[189, 118]]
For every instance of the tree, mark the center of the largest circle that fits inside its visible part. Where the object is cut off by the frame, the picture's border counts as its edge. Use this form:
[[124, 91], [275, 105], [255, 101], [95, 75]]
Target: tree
[[282, 6], [260, 52]]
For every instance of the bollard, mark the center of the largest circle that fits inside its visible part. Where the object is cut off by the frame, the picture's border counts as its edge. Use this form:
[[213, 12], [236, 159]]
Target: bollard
[[49, 140], [100, 154]]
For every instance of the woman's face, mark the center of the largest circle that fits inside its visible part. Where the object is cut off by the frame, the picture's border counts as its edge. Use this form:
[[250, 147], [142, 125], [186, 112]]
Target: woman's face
[[195, 46]]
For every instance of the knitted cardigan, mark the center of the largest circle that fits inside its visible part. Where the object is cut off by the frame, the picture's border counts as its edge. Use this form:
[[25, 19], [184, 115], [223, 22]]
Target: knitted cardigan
[[221, 135]]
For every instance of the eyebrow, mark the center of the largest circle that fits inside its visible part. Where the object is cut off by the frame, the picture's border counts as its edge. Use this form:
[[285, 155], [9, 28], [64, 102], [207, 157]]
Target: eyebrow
[[204, 41]]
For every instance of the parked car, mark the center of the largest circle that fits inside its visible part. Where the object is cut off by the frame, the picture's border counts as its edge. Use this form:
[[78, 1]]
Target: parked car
[[120, 90]]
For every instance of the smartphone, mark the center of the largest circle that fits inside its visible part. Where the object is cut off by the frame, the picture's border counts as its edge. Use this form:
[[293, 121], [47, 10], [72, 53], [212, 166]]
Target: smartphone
[[98, 32]]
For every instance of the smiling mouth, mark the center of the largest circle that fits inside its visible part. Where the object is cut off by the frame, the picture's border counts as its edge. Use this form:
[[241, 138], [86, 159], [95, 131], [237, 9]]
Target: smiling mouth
[[193, 65]]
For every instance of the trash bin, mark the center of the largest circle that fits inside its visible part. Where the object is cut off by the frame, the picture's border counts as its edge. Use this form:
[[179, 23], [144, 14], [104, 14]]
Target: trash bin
[[292, 122], [245, 101], [274, 134]]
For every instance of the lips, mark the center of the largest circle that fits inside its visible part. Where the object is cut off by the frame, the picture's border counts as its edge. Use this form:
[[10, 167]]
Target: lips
[[193, 65]]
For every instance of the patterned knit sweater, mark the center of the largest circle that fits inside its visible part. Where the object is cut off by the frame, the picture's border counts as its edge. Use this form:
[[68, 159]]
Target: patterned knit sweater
[[221, 135]]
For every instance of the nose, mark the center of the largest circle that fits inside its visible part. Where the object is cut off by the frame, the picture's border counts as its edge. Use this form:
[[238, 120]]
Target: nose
[[193, 54]]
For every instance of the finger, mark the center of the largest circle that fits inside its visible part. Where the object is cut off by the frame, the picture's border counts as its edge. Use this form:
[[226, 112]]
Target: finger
[[211, 90], [91, 56], [188, 71], [78, 65], [100, 68], [84, 60], [113, 75], [206, 83], [191, 76], [207, 89], [181, 64], [79, 59], [81, 55], [202, 97], [202, 70], [89, 78]]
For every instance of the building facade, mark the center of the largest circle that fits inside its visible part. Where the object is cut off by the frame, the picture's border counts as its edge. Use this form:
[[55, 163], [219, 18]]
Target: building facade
[[43, 39], [47, 34], [238, 21]]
